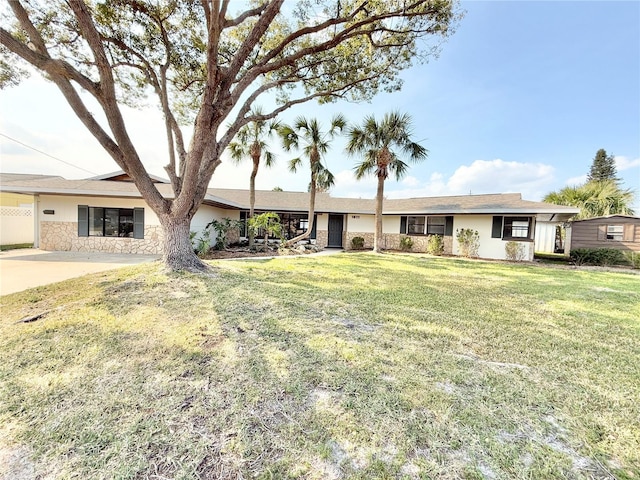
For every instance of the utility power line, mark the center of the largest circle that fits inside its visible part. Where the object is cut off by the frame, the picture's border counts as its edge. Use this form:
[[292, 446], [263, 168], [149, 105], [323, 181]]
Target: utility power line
[[45, 153]]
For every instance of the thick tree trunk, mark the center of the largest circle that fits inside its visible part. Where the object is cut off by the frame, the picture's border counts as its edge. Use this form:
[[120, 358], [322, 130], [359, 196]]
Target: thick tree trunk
[[178, 251], [377, 238]]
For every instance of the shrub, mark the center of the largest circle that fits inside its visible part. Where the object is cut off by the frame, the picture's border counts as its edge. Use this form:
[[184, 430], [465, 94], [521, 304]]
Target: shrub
[[357, 243], [469, 241], [597, 256], [435, 245], [406, 244], [633, 258], [514, 251], [223, 228]]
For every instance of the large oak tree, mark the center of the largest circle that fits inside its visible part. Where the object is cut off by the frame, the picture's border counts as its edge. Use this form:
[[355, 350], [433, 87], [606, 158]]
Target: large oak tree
[[208, 65]]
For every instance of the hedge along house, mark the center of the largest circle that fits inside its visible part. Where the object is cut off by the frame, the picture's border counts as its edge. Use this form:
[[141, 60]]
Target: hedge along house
[[621, 232], [107, 214]]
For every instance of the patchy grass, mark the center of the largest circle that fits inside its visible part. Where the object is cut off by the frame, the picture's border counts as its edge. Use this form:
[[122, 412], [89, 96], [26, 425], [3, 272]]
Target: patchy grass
[[356, 366], [15, 246]]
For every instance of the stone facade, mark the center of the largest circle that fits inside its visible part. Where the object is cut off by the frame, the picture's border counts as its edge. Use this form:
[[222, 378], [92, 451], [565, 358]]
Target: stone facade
[[391, 241], [322, 238], [63, 236]]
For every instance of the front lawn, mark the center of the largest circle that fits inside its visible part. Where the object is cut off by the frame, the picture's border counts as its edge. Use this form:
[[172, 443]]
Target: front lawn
[[353, 366]]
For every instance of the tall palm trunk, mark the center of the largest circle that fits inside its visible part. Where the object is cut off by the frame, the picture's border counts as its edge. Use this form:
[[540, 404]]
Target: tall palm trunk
[[377, 239], [314, 160], [255, 156]]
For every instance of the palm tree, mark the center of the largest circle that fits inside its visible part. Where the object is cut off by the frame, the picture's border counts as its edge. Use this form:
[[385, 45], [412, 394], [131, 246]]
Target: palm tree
[[375, 141], [250, 143], [596, 198], [308, 135]]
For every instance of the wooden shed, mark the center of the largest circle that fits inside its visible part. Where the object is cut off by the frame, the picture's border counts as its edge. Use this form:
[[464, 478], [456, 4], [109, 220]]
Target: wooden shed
[[613, 231]]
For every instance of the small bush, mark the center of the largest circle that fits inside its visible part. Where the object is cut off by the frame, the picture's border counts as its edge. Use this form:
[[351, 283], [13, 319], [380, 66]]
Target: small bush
[[633, 258], [357, 243], [514, 251], [435, 245], [601, 257], [406, 244], [469, 241]]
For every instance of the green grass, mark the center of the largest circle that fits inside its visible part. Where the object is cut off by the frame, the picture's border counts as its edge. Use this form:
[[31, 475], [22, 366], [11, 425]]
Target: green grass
[[353, 366], [15, 246]]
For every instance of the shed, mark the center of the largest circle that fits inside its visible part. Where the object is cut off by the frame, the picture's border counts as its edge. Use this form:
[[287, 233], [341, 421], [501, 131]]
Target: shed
[[613, 231]]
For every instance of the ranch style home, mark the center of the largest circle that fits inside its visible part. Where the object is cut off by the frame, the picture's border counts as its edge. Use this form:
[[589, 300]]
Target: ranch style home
[[108, 214]]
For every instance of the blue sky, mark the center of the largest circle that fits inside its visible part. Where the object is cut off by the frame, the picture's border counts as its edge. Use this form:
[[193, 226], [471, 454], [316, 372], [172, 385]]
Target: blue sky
[[520, 100]]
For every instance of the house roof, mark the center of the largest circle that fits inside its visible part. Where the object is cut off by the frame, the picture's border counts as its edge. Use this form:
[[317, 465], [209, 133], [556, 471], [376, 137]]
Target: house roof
[[606, 217], [508, 203]]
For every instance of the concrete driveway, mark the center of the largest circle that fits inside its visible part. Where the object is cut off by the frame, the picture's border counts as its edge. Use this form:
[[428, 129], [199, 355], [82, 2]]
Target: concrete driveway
[[28, 268]]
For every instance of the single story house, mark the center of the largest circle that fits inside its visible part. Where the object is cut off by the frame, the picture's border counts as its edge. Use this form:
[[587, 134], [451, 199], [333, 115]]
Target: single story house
[[108, 214], [613, 231]]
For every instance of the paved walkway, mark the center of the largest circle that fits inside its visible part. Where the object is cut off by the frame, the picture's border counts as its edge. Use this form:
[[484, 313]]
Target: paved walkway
[[29, 267]]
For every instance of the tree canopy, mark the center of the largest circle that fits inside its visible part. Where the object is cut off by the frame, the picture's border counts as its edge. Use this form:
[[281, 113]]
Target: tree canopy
[[207, 64], [594, 199], [603, 167]]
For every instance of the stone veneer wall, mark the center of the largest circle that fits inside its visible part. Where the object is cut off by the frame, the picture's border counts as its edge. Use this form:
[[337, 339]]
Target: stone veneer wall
[[391, 241], [322, 238], [63, 236]]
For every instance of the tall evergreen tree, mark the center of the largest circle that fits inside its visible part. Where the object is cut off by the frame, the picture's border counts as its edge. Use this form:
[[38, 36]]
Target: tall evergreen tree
[[603, 167]]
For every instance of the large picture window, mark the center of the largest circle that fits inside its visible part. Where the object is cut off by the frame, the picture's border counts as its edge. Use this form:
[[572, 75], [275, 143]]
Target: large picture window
[[511, 228], [110, 222]]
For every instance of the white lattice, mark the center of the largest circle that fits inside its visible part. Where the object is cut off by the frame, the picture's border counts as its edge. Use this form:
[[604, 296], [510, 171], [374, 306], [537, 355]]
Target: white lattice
[[15, 212]]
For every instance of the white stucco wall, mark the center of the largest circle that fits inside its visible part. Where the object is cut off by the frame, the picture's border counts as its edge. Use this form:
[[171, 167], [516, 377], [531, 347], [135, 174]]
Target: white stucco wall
[[322, 221], [361, 223], [207, 213], [489, 247]]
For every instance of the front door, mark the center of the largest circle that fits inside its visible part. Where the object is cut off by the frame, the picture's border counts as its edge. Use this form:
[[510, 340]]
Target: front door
[[335, 231]]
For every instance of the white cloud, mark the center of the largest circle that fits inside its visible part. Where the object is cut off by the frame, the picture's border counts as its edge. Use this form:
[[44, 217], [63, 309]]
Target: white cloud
[[623, 163], [575, 181], [533, 180]]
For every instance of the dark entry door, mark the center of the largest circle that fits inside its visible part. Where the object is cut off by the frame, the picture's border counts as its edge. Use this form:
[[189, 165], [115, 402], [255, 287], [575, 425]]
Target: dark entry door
[[335, 231]]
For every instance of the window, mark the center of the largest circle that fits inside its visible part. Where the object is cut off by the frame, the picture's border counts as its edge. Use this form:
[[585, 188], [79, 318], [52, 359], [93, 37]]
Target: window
[[435, 225], [415, 225], [110, 222], [511, 227], [293, 224], [615, 232]]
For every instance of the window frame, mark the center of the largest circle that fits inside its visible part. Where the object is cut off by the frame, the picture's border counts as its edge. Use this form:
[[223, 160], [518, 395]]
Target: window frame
[[441, 226], [610, 235], [503, 228], [129, 224]]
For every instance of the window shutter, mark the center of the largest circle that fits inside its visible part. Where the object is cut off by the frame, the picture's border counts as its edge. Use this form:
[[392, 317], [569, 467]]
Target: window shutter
[[496, 228], [403, 224], [138, 223], [448, 227], [602, 232], [83, 220], [629, 232], [313, 229]]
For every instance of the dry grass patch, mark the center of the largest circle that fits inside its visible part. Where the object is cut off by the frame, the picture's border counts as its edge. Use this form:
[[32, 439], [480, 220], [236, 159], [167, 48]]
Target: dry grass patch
[[346, 367]]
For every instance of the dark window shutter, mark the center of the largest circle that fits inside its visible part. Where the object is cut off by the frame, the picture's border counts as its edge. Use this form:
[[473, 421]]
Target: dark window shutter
[[403, 224], [496, 228], [83, 220], [138, 223], [629, 233], [448, 227], [314, 228]]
